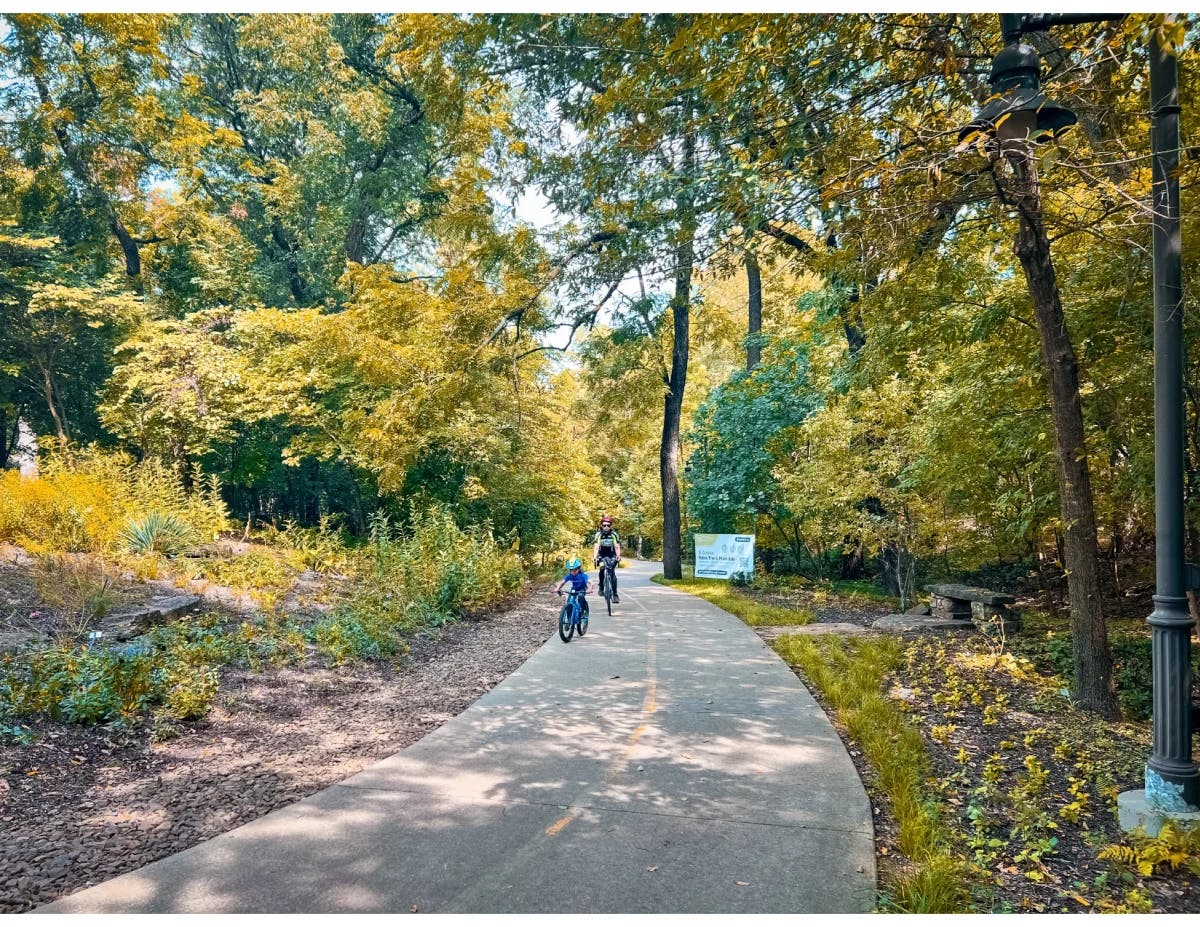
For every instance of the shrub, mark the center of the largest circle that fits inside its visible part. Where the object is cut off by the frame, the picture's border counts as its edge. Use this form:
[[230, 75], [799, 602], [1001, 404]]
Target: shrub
[[436, 573], [78, 588], [321, 549], [267, 572], [81, 685], [348, 636], [157, 532], [174, 667], [187, 690]]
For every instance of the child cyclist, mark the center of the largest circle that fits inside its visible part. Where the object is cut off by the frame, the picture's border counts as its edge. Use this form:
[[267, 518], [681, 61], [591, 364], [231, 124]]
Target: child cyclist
[[578, 581]]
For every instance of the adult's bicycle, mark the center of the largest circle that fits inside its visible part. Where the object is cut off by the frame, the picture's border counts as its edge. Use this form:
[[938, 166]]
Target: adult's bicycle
[[607, 566], [572, 618]]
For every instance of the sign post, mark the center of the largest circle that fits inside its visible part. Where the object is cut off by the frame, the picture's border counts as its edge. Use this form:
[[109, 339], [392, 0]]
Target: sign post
[[723, 556]]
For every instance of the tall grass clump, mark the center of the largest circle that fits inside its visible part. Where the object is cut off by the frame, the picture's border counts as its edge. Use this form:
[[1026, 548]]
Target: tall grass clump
[[98, 502], [438, 571], [851, 673], [158, 532], [423, 576]]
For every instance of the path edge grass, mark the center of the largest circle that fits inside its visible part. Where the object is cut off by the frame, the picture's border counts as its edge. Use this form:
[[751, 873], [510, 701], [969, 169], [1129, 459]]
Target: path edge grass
[[751, 611]]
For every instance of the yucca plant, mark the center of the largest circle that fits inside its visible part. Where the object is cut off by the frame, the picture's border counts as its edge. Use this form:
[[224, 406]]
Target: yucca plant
[[157, 532]]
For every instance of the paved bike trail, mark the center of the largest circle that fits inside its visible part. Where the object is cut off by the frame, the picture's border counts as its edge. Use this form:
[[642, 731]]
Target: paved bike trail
[[667, 762]]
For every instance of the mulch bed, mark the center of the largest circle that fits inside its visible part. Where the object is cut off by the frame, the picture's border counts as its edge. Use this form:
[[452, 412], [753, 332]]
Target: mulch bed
[[82, 805]]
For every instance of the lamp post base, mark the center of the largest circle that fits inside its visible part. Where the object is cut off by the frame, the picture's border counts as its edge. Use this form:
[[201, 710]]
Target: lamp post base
[[1134, 811]]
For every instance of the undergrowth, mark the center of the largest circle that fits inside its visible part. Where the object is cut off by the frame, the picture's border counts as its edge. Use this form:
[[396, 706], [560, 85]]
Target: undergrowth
[[87, 500], [402, 583]]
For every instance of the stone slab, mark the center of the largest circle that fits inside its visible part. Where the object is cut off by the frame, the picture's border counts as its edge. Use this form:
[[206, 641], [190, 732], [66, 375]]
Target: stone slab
[[15, 640], [971, 594]]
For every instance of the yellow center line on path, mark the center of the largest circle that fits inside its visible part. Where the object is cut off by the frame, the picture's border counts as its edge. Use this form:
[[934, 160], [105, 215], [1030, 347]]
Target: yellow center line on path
[[649, 704]]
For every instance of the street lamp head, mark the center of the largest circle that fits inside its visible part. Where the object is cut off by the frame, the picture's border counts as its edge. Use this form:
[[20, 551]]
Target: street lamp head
[[1017, 108]]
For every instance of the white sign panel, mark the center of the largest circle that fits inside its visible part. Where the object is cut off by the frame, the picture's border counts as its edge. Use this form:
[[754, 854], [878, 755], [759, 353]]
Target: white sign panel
[[720, 556]]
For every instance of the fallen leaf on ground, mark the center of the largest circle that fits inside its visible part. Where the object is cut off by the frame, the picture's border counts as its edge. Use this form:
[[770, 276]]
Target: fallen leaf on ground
[[742, 883], [652, 869]]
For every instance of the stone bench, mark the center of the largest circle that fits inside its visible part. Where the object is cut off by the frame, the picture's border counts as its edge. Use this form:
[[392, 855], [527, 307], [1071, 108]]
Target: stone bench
[[969, 603]]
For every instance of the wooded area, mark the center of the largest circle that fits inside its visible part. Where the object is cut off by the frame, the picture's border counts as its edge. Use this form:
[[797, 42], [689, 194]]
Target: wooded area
[[280, 255]]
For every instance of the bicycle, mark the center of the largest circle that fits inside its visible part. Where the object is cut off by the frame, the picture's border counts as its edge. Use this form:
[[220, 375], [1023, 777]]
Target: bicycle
[[572, 618], [607, 565]]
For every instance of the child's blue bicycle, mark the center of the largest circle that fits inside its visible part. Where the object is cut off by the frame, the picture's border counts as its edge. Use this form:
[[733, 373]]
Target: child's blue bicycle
[[572, 618]]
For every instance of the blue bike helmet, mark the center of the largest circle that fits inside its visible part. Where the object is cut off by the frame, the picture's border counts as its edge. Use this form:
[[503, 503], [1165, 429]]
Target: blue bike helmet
[[574, 563]]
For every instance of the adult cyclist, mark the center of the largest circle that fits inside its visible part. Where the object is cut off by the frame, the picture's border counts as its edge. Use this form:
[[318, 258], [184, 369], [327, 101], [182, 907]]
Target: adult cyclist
[[607, 549]]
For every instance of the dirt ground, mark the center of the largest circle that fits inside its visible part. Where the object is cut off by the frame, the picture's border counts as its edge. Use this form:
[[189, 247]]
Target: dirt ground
[[81, 805]]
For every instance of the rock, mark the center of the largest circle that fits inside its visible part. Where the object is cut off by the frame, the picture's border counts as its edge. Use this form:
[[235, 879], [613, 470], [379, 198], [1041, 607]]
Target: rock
[[120, 631], [158, 610], [15, 555], [919, 610], [921, 623]]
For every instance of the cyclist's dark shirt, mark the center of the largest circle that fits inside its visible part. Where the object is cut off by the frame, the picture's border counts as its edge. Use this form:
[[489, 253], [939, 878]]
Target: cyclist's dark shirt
[[607, 542]]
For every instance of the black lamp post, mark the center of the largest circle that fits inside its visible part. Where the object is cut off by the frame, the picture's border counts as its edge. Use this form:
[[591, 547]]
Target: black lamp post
[[1018, 113]]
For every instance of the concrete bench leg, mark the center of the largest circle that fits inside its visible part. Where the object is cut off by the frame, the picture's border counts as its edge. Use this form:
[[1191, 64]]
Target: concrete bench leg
[[994, 619], [945, 607]]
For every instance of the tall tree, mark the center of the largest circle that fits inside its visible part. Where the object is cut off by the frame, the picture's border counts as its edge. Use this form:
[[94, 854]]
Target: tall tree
[[92, 76]]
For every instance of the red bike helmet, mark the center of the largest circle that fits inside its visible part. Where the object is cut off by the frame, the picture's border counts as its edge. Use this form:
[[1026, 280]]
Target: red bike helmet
[[606, 520]]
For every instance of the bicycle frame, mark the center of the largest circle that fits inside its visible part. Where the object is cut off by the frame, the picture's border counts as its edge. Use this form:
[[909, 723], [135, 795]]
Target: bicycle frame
[[572, 619], [609, 564]]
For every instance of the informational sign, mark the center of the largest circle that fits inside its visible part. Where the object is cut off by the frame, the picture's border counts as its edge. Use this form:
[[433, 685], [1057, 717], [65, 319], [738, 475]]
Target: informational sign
[[720, 556]]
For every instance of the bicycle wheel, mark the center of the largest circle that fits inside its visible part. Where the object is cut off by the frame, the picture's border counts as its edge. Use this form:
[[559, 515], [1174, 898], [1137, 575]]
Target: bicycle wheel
[[582, 623], [566, 627], [606, 588]]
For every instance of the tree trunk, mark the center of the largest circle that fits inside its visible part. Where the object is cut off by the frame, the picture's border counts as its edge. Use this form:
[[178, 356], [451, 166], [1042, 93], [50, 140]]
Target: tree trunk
[[754, 323], [291, 261], [48, 390], [5, 447], [356, 236], [129, 246], [1094, 690], [673, 401]]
